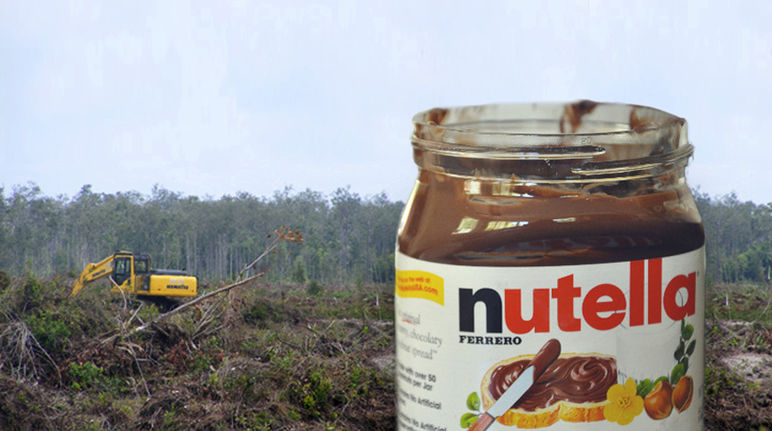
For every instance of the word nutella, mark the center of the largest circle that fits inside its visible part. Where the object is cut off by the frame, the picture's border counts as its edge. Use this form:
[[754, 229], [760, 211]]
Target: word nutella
[[601, 299], [531, 224]]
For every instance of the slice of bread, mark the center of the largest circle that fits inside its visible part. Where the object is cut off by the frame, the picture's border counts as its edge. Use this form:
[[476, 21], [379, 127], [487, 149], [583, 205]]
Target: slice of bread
[[572, 389]]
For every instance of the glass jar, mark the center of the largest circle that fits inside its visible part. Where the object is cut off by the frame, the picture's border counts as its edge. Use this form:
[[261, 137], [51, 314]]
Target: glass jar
[[534, 222]]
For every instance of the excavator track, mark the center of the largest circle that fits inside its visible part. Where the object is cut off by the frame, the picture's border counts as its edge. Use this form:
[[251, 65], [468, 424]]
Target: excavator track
[[163, 303]]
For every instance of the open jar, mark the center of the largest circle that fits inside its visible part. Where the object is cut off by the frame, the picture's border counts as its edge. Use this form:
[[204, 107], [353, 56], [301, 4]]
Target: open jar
[[535, 222]]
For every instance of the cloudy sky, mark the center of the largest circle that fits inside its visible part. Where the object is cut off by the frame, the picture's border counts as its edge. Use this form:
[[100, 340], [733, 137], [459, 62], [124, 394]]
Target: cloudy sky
[[214, 97]]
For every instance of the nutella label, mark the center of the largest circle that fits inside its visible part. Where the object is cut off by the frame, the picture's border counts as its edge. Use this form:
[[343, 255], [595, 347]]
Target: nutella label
[[630, 336]]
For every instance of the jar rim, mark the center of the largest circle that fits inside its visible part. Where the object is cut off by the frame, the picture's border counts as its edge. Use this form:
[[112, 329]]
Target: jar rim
[[577, 130]]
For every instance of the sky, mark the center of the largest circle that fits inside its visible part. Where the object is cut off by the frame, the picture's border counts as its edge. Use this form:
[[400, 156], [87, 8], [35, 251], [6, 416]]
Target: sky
[[216, 98]]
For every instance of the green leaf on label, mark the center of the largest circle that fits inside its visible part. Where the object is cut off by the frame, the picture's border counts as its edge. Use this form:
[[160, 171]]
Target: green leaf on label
[[679, 353], [687, 332], [467, 419], [678, 371], [685, 363], [473, 401], [644, 387], [690, 349], [659, 379]]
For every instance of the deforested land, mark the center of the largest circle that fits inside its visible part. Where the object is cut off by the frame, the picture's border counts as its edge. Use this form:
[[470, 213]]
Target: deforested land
[[307, 346]]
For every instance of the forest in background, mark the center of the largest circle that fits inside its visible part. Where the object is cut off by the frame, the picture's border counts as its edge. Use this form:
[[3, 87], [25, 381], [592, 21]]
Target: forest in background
[[347, 237]]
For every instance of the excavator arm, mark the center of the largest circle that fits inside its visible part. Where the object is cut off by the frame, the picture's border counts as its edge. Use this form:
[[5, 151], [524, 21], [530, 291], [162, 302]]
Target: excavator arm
[[93, 272]]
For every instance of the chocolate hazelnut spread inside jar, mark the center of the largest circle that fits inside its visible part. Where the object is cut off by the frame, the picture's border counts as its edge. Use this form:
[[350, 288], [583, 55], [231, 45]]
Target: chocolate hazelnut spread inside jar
[[550, 221], [549, 185]]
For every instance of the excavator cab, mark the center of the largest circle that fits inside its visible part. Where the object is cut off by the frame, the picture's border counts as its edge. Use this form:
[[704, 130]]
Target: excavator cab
[[141, 264], [142, 272], [122, 270]]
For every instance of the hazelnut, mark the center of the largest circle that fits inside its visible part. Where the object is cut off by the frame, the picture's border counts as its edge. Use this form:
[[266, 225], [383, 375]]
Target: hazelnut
[[658, 402], [682, 393]]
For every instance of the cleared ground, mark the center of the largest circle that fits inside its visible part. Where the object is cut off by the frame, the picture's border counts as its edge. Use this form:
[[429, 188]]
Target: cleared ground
[[276, 357]]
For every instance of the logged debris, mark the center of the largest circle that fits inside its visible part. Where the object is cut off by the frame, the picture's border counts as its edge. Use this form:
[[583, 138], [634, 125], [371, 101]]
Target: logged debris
[[22, 356], [266, 357], [27, 407]]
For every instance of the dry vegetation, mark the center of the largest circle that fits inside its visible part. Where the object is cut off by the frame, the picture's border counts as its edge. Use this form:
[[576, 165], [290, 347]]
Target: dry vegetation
[[275, 357], [739, 357], [264, 356]]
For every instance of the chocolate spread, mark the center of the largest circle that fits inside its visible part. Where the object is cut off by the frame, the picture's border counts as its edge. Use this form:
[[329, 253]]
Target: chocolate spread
[[576, 379], [472, 207], [539, 228]]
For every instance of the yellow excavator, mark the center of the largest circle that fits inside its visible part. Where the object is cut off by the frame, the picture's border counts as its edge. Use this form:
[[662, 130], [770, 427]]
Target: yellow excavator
[[131, 273]]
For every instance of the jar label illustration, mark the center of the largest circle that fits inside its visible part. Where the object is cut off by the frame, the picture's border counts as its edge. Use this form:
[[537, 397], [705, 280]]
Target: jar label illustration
[[630, 337]]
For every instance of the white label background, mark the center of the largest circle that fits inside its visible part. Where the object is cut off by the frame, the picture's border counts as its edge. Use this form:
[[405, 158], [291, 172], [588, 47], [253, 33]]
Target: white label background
[[458, 369]]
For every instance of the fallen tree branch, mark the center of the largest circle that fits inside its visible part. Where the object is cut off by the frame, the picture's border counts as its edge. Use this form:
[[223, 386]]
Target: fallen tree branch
[[182, 307], [19, 350]]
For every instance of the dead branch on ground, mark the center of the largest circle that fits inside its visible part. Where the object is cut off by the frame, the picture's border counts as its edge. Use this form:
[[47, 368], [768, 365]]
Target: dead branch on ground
[[20, 351]]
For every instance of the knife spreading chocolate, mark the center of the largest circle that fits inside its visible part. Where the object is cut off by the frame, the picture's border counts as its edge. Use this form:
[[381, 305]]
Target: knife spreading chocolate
[[576, 379]]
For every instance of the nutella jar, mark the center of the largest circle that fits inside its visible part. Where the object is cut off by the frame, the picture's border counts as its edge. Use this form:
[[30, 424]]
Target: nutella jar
[[550, 272]]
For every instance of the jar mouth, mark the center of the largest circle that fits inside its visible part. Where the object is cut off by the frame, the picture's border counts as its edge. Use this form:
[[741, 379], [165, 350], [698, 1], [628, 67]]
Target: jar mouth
[[584, 129]]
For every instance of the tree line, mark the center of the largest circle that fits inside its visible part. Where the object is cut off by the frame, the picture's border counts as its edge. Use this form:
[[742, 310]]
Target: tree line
[[738, 237], [347, 237]]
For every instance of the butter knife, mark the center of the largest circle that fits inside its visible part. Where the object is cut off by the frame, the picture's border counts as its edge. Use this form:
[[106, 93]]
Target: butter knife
[[543, 359]]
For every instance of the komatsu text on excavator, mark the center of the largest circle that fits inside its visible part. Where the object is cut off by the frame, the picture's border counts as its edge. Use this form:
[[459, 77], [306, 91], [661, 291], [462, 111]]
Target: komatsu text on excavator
[[131, 273]]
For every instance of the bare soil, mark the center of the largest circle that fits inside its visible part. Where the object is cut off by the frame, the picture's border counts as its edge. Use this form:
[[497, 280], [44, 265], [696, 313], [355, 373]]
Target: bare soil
[[739, 375]]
